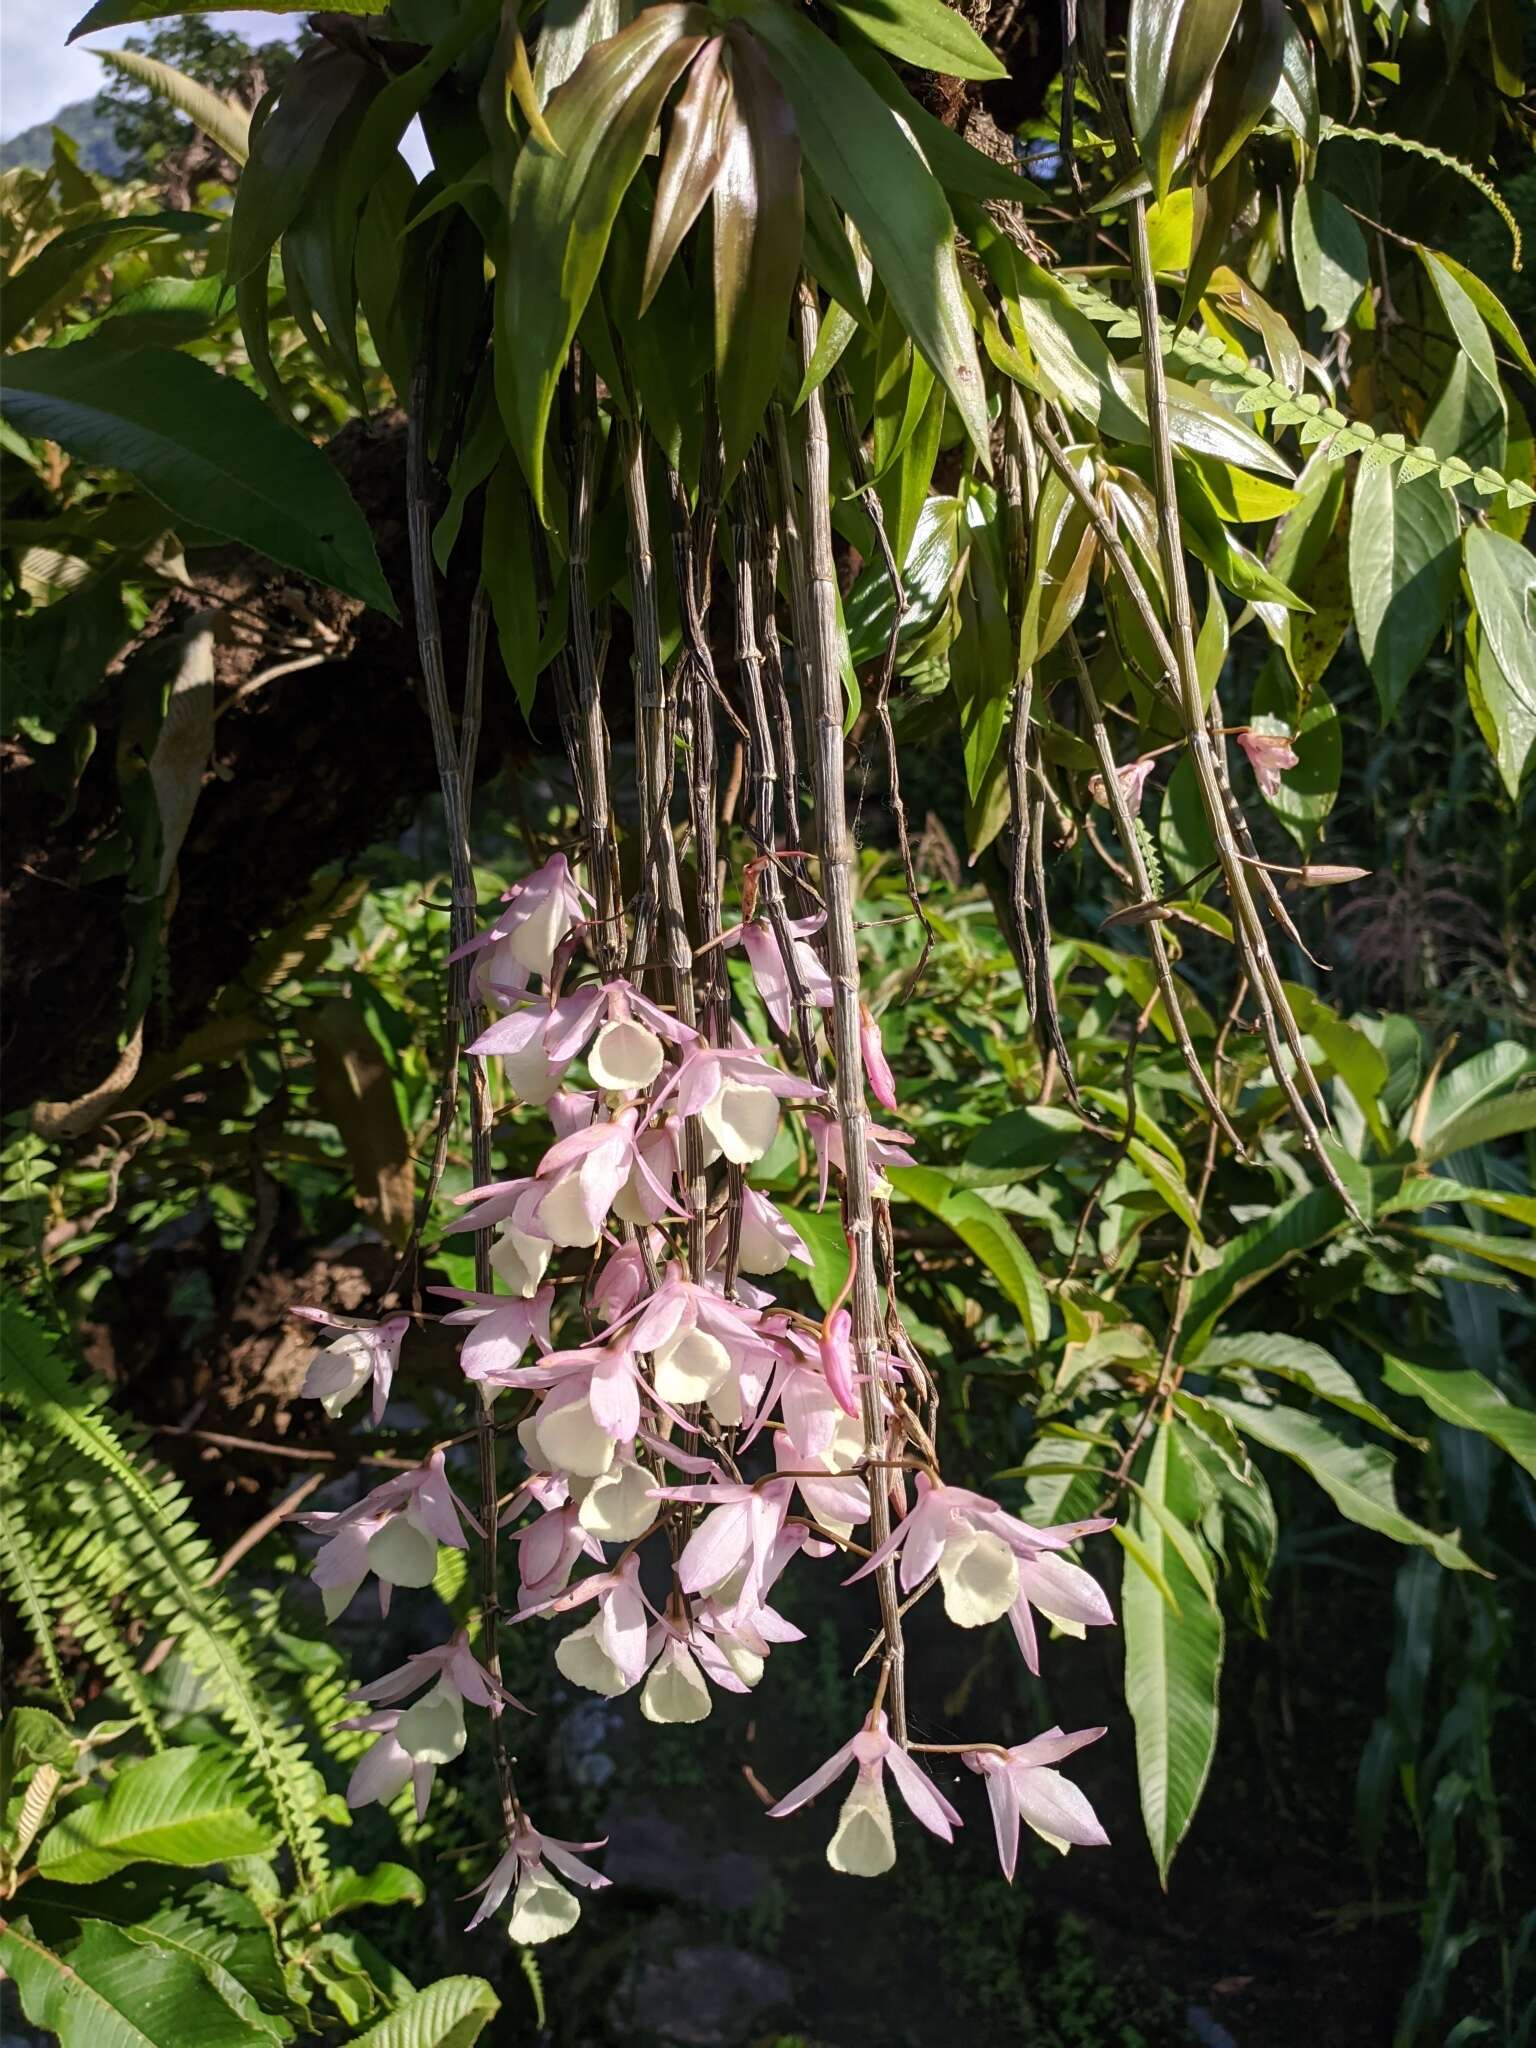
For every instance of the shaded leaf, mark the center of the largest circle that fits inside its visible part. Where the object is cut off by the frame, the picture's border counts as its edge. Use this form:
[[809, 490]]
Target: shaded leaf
[[759, 214], [1328, 249], [987, 1233], [1173, 1652], [872, 169], [1402, 573], [1469, 1401], [1358, 1478], [206, 447]]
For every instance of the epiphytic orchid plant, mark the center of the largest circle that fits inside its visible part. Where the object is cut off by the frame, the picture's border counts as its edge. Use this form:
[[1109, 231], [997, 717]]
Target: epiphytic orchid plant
[[684, 1432]]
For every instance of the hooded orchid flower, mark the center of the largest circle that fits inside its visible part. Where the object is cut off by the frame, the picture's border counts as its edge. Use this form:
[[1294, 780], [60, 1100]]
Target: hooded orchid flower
[[607, 1654], [703, 1348], [863, 1844], [1022, 1787], [581, 1174], [676, 1688], [877, 1068], [1132, 778], [767, 1240], [647, 1194], [622, 1281], [432, 1730], [339, 1370], [1269, 755], [522, 941], [500, 1331], [521, 1250], [884, 1147], [385, 1768], [542, 1908], [759, 942], [735, 1094], [990, 1563], [538, 1043], [393, 1532]]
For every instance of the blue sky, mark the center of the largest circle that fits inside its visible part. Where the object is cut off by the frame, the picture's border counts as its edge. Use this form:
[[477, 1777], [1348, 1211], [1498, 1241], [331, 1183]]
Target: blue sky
[[39, 73]]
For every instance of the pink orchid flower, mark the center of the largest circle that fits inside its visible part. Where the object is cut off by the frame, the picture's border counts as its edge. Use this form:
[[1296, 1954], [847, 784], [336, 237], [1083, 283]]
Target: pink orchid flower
[[363, 1351], [735, 1094], [863, 1844], [392, 1532], [431, 1731], [1132, 778], [534, 918], [591, 1405], [500, 1330], [521, 1251], [703, 1348], [385, 1768], [877, 1068], [767, 1240], [990, 1564], [759, 942], [542, 1908], [537, 1044], [622, 1279], [1023, 1787], [580, 1176], [1269, 755], [547, 1552], [607, 1654]]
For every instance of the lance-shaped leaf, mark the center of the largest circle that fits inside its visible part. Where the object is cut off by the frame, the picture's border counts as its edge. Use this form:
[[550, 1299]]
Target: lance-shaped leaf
[[695, 148], [222, 120], [759, 221], [1296, 102], [872, 168], [1402, 573], [122, 13], [1469, 1401], [988, 1234], [1245, 84], [206, 447], [562, 210], [1173, 1644], [289, 135], [1358, 1478], [38, 286], [1502, 578], [1172, 48], [926, 33]]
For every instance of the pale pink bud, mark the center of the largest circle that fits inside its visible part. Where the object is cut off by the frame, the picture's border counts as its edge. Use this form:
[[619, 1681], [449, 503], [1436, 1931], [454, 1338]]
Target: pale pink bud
[[877, 1068], [1269, 755]]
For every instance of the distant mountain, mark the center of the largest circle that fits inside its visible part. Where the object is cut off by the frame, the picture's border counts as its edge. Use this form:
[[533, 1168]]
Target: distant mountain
[[32, 150]]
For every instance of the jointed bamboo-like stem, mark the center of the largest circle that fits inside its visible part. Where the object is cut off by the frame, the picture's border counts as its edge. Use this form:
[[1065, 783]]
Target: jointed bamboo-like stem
[[590, 726], [821, 685], [653, 736], [869, 497], [450, 770], [1157, 945], [1248, 926], [751, 568]]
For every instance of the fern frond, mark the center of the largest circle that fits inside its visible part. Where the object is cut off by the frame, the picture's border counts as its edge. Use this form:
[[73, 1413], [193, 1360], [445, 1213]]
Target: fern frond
[[97, 1536], [1315, 420], [1332, 130], [40, 1385], [24, 1571]]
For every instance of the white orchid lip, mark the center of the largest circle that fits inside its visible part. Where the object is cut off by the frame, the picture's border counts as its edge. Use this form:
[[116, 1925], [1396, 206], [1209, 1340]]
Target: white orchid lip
[[863, 1844], [542, 1909], [980, 1578], [583, 1658], [432, 1732], [564, 1213], [689, 1366], [675, 1690], [402, 1554], [625, 1056], [520, 1260], [743, 1121], [571, 1440], [617, 1505]]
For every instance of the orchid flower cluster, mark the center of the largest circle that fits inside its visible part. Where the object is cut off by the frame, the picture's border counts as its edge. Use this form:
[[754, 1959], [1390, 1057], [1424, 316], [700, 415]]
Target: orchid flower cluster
[[686, 1437]]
